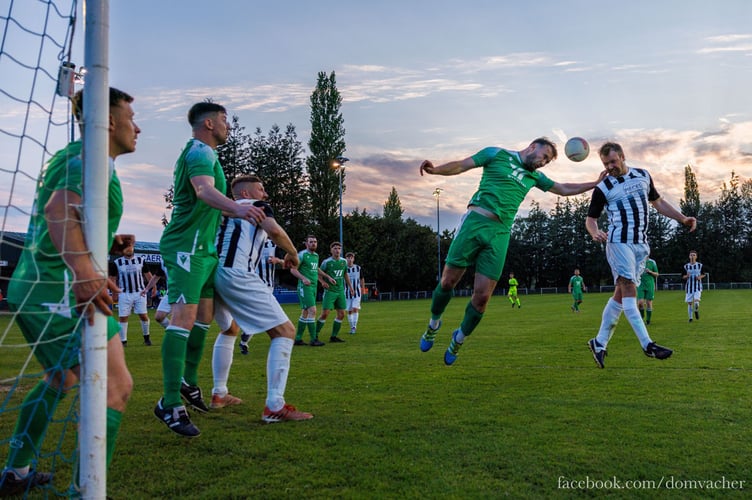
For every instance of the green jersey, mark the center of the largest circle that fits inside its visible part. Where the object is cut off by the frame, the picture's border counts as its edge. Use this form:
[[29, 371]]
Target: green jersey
[[336, 268], [647, 280], [193, 227], [576, 283], [41, 277], [513, 283], [505, 183], [309, 265]]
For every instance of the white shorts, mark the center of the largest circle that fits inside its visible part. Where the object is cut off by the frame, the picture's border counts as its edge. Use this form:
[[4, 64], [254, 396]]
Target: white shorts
[[247, 299], [627, 260], [131, 302], [353, 303], [693, 296], [164, 304]]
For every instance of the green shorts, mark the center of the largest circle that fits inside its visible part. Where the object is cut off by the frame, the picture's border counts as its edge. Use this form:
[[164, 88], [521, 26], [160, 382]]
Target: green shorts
[[480, 241], [307, 295], [334, 300], [190, 277], [512, 291], [577, 295], [645, 292], [57, 338]]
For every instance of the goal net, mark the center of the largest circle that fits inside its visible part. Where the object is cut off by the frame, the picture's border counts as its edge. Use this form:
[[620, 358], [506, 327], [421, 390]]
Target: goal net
[[37, 79]]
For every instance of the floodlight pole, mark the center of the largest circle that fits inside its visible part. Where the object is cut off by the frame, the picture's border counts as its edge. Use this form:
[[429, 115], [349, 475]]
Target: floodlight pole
[[339, 163]]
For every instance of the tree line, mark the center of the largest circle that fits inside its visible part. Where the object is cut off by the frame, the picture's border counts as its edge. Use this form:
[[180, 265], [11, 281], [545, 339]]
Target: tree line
[[399, 254]]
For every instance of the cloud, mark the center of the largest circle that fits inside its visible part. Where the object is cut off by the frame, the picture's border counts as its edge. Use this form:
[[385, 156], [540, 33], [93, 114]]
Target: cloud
[[740, 42]]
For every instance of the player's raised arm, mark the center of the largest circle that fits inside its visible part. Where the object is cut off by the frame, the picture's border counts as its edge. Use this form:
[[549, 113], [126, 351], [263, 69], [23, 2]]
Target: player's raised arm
[[451, 168]]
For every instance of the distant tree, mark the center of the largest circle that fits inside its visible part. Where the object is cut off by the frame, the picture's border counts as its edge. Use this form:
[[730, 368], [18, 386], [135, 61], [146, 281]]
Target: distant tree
[[278, 160], [327, 142], [235, 154], [690, 205], [168, 197], [392, 206]]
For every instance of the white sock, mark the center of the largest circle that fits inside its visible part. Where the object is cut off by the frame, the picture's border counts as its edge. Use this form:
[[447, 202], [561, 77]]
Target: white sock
[[224, 348], [145, 328], [609, 319], [124, 331], [434, 323], [354, 322], [165, 322], [277, 368], [689, 310], [633, 316]]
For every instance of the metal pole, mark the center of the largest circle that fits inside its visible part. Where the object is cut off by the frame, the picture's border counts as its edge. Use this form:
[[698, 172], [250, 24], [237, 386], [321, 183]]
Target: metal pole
[[437, 194], [340, 207], [93, 402]]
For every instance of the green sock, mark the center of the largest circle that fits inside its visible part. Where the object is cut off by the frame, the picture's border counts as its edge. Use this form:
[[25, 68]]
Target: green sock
[[174, 346], [471, 319], [194, 352], [642, 312], [301, 329], [312, 329], [336, 326], [648, 314], [576, 306], [319, 326], [439, 300], [114, 418], [36, 411]]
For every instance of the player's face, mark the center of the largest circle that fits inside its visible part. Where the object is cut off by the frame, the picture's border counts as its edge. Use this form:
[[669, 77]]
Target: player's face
[[336, 251], [129, 250], [221, 127], [312, 244], [350, 260], [123, 130], [692, 257], [539, 156], [614, 164], [257, 191]]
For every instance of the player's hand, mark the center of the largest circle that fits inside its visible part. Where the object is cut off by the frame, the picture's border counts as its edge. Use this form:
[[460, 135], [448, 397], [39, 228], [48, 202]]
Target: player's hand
[[306, 282], [426, 167], [690, 222], [250, 213], [600, 236], [91, 293], [290, 261]]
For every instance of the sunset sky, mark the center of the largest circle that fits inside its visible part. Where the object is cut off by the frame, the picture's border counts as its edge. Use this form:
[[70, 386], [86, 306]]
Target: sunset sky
[[436, 80]]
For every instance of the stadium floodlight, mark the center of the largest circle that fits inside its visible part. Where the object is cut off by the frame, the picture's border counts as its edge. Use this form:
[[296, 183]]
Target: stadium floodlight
[[339, 164], [437, 194]]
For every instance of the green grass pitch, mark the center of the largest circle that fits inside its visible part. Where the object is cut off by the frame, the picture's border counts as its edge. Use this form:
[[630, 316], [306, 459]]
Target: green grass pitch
[[523, 413]]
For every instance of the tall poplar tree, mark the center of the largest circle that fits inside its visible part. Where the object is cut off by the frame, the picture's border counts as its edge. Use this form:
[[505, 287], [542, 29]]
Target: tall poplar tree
[[327, 142]]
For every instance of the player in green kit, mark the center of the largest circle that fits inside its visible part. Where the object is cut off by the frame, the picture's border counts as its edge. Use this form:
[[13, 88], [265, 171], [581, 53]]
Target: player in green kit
[[334, 278], [308, 278], [190, 256], [576, 287], [56, 287], [512, 295], [646, 290], [483, 236]]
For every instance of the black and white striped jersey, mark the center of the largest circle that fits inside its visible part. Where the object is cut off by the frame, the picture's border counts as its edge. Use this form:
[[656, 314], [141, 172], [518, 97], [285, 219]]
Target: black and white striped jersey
[[241, 243], [626, 200], [130, 273], [693, 271], [354, 274]]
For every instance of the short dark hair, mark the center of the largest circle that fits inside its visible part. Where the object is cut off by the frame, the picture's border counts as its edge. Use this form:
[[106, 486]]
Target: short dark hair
[[349, 254], [335, 244], [545, 141], [116, 96], [201, 109], [608, 147], [244, 178]]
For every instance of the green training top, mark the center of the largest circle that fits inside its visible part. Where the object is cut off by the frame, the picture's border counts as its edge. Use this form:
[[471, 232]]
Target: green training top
[[309, 265], [504, 183], [336, 268], [41, 276], [647, 279], [193, 227], [576, 283]]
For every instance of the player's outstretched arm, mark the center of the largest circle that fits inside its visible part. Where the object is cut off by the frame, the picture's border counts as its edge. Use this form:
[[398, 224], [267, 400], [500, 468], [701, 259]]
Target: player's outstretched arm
[[665, 208], [451, 168]]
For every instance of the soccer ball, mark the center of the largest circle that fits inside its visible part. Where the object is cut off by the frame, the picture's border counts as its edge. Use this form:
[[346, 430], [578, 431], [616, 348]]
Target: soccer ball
[[576, 149]]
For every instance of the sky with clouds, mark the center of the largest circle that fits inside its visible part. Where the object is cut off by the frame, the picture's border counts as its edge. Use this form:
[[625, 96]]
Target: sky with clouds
[[436, 80]]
